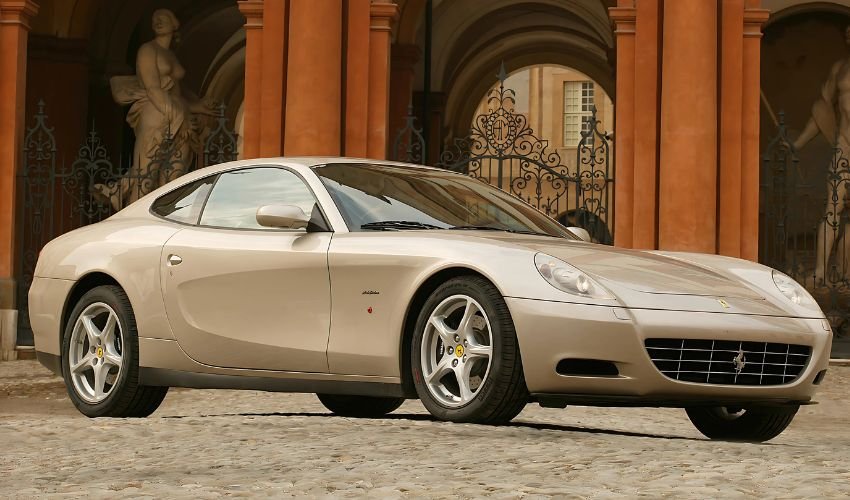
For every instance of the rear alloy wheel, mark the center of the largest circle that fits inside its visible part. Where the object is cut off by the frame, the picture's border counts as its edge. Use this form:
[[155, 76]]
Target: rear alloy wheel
[[465, 355], [359, 406], [755, 424], [100, 358]]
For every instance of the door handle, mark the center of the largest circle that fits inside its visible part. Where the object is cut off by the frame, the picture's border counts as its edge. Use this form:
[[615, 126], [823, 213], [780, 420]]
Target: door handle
[[173, 260]]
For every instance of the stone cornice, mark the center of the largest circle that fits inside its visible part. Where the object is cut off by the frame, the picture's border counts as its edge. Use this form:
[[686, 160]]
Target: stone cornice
[[18, 12], [624, 19], [754, 19], [253, 12], [382, 13]]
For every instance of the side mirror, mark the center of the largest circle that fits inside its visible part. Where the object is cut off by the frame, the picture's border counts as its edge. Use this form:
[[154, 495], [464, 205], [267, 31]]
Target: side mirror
[[581, 232], [282, 216]]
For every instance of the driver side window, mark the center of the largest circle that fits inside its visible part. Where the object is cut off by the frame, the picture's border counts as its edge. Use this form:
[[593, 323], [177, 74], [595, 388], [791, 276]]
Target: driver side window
[[237, 195]]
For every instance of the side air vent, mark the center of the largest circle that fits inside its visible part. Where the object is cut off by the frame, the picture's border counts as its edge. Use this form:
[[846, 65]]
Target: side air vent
[[587, 368]]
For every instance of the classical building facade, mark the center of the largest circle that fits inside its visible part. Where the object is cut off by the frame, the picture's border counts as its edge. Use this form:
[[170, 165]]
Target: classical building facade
[[679, 125]]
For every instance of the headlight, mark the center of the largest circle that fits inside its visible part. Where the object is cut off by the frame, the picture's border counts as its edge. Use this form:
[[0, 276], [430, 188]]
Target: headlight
[[792, 290], [568, 279]]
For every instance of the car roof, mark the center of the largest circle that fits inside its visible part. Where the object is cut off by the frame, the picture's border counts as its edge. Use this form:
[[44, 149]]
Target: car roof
[[298, 163]]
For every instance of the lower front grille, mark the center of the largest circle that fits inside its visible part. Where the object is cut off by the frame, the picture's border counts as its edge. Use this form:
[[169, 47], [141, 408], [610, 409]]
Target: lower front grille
[[729, 362]]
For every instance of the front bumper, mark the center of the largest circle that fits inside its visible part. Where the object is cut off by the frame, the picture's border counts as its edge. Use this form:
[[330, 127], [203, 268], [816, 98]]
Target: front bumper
[[549, 332]]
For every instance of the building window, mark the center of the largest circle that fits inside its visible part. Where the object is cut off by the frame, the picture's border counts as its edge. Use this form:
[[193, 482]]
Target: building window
[[578, 101]]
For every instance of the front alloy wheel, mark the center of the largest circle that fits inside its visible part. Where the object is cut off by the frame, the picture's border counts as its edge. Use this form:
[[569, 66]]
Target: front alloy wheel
[[465, 355], [456, 350]]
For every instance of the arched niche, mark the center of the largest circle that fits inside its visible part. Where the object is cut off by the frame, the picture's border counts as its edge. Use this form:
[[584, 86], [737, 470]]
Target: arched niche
[[470, 40]]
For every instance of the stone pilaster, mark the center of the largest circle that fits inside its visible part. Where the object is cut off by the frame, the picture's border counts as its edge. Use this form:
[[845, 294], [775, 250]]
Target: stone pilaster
[[15, 16], [253, 12], [624, 134], [383, 14]]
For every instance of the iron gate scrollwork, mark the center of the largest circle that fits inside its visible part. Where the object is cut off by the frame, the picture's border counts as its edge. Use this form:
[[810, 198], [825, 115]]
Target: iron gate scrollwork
[[55, 197], [503, 150], [805, 234]]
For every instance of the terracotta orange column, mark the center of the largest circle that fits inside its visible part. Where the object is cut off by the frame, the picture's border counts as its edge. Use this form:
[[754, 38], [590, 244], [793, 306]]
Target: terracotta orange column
[[731, 70], [754, 18], [253, 12], [15, 16], [383, 13], [314, 78], [624, 132], [357, 78], [273, 83], [646, 123], [688, 168]]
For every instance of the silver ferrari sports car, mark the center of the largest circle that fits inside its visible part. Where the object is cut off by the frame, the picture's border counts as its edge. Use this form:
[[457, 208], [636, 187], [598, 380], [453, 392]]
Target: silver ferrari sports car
[[372, 282]]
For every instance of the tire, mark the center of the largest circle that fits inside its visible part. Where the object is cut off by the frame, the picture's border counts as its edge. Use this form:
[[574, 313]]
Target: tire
[[359, 406], [94, 350], [755, 424], [494, 391]]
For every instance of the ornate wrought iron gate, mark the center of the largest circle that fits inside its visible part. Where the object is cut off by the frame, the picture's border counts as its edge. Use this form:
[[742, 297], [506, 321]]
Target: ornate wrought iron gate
[[55, 197], [502, 149], [805, 229]]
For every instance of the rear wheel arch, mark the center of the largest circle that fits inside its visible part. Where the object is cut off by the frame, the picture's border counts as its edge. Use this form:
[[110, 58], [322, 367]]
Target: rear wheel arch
[[426, 288], [81, 287]]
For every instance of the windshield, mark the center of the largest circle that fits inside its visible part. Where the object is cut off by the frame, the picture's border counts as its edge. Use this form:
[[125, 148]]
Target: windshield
[[397, 197]]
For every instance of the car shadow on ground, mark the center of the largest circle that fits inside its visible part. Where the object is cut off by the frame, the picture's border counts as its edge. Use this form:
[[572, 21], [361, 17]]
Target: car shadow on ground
[[429, 418]]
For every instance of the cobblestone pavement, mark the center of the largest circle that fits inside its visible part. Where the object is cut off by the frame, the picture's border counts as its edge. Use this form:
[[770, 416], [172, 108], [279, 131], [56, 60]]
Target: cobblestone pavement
[[206, 444]]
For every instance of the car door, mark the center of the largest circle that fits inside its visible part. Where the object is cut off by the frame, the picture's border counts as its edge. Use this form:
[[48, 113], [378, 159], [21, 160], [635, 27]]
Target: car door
[[245, 296]]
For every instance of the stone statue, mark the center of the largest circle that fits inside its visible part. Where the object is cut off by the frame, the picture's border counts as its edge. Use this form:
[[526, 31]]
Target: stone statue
[[158, 106], [831, 118]]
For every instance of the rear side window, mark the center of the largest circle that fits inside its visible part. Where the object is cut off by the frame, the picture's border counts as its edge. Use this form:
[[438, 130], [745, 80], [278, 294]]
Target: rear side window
[[184, 203]]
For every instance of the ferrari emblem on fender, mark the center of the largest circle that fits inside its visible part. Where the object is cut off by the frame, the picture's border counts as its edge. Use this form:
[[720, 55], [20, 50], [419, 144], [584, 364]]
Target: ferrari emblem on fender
[[723, 303], [740, 361]]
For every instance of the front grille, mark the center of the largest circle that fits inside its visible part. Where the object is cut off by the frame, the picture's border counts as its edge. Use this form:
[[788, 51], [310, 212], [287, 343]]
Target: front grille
[[729, 362]]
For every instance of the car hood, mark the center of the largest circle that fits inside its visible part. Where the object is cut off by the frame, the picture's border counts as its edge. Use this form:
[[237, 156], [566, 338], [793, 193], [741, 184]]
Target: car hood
[[636, 270]]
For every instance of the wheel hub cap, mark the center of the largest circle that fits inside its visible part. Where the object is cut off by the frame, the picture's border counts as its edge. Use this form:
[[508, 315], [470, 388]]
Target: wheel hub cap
[[95, 354], [456, 350]]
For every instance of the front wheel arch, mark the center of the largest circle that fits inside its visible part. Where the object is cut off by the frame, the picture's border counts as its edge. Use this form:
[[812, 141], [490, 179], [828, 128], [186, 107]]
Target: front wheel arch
[[426, 288]]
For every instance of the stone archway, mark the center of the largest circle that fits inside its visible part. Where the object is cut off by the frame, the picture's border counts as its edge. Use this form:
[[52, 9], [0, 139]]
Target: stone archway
[[472, 38]]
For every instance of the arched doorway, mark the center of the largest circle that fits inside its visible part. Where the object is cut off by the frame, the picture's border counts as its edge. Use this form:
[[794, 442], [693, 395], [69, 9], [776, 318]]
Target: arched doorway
[[805, 171], [78, 165], [558, 57], [469, 40]]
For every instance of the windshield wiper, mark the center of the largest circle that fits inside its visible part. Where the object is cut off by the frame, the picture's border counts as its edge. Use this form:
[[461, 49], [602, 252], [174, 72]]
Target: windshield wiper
[[397, 225], [528, 231], [505, 229], [480, 228]]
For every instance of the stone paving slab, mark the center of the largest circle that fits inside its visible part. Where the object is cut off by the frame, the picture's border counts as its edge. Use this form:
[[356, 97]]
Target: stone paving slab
[[212, 444]]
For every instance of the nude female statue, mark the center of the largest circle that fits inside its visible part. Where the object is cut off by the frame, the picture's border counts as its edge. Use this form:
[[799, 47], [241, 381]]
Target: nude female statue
[[831, 118], [158, 106]]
